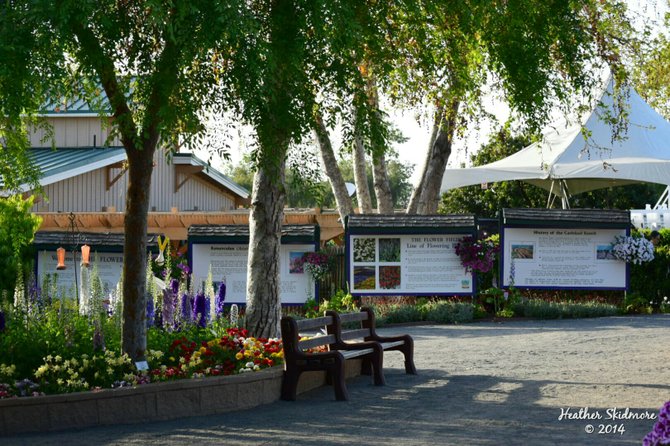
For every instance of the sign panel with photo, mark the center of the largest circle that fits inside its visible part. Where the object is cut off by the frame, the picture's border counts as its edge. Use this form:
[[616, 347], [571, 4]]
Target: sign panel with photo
[[229, 263], [407, 264], [561, 258]]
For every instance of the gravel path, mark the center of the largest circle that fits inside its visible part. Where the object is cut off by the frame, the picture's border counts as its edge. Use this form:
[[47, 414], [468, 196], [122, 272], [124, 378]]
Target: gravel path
[[482, 383]]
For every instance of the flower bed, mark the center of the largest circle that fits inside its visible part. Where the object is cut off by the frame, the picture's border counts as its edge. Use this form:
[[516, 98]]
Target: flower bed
[[152, 402]]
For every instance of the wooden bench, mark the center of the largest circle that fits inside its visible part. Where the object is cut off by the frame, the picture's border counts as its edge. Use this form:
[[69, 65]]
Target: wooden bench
[[366, 321], [299, 355]]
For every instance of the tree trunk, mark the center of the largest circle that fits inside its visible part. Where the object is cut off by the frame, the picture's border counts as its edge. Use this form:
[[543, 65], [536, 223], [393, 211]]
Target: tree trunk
[[380, 179], [360, 176], [381, 184], [437, 162], [263, 310], [344, 204], [134, 328], [413, 204]]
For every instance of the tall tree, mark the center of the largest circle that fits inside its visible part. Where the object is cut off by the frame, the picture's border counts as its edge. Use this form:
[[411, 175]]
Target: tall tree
[[329, 162], [536, 53], [153, 61]]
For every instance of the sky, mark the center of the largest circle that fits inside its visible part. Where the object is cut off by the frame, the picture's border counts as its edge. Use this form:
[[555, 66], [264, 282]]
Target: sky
[[413, 127]]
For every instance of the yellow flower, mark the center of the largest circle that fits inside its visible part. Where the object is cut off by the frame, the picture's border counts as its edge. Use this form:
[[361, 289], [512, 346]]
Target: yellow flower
[[60, 381], [41, 370], [239, 356], [212, 343]]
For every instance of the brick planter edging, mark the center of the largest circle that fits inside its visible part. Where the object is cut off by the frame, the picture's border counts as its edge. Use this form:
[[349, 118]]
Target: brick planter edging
[[151, 402]]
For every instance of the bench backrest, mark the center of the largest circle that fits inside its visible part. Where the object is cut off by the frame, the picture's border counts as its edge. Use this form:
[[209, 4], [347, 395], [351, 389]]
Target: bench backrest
[[291, 330], [339, 320]]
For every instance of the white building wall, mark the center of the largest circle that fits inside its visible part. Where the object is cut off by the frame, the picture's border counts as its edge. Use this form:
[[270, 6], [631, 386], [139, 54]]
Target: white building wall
[[88, 192]]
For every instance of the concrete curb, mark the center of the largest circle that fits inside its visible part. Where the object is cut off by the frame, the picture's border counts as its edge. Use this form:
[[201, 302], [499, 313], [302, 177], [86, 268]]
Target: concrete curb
[[152, 402]]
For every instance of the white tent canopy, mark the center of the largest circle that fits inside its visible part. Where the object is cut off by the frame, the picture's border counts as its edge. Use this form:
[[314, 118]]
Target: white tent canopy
[[566, 163]]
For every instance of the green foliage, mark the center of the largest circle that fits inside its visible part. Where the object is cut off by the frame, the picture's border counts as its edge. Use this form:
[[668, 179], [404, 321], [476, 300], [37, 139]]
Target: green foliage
[[650, 281], [400, 314], [307, 188], [539, 309], [341, 301], [635, 303], [17, 231], [311, 308], [58, 329], [447, 312]]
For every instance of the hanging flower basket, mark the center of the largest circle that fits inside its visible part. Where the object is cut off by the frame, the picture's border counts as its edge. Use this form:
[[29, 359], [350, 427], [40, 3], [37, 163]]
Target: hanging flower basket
[[635, 250]]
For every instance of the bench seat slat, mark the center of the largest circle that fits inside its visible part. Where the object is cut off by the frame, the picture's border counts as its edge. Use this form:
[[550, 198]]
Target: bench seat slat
[[387, 345], [355, 353]]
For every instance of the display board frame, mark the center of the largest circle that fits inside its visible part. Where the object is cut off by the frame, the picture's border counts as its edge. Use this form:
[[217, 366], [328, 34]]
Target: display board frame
[[562, 249], [407, 255], [231, 244], [107, 247]]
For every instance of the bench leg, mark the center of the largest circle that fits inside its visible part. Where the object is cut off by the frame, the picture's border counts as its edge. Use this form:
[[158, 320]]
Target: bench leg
[[289, 385], [378, 366], [336, 374], [366, 367], [408, 351]]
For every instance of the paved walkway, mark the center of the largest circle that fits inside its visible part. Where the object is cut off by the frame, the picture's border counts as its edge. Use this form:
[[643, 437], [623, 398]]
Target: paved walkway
[[482, 383]]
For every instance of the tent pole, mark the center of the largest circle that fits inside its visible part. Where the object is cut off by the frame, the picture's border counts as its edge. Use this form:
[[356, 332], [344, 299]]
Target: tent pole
[[551, 190], [565, 203]]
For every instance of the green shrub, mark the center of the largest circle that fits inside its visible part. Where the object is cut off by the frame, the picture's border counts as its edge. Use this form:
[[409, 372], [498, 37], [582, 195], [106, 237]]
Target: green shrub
[[635, 303], [341, 301], [538, 309], [399, 314], [447, 312]]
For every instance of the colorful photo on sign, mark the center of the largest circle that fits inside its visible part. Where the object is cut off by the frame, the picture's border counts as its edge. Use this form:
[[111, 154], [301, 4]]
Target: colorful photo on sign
[[605, 252], [389, 277], [389, 249], [364, 277], [296, 262], [522, 251], [364, 250]]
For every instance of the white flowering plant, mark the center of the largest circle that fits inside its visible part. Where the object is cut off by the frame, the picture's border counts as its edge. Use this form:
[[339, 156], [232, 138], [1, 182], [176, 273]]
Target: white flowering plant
[[635, 250]]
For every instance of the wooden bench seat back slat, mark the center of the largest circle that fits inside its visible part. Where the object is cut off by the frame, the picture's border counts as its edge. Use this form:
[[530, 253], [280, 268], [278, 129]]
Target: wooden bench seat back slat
[[319, 322], [353, 317], [316, 342], [355, 334]]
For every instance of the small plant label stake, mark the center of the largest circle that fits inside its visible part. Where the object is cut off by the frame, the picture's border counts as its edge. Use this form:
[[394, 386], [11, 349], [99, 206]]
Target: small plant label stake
[[142, 366]]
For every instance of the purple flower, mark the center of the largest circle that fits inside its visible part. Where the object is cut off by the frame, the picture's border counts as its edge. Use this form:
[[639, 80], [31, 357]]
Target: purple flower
[[150, 312], [660, 434], [184, 268], [169, 306], [201, 309], [186, 308], [174, 286], [220, 298]]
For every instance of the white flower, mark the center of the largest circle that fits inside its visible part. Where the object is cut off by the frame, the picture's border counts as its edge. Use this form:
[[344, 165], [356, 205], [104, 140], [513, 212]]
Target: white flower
[[635, 250]]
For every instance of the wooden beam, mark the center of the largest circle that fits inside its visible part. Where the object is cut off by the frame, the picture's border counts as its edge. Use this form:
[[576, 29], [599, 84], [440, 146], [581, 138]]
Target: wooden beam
[[120, 165], [188, 171]]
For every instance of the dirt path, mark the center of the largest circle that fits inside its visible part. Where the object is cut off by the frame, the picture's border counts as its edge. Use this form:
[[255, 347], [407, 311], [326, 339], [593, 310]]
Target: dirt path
[[483, 383]]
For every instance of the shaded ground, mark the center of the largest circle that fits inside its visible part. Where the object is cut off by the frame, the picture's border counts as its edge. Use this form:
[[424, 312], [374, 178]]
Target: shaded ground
[[483, 383]]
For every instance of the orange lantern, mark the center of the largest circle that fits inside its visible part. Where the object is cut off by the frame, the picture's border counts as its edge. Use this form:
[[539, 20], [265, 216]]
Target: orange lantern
[[60, 252], [85, 255]]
